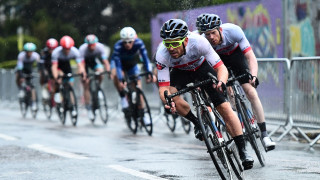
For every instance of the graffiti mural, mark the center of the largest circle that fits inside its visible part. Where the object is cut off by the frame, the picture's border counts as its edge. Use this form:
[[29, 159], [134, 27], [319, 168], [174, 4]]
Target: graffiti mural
[[261, 22], [303, 23], [256, 25]]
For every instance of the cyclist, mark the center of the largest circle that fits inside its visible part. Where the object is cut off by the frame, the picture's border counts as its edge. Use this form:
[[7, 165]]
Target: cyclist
[[45, 66], [26, 59], [231, 44], [123, 61], [191, 57], [93, 54], [61, 57]]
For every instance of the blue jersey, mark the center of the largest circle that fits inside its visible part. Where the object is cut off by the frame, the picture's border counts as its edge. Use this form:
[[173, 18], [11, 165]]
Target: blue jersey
[[125, 59]]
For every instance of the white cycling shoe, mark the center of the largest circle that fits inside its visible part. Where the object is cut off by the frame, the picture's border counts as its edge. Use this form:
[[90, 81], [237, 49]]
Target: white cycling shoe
[[268, 143]]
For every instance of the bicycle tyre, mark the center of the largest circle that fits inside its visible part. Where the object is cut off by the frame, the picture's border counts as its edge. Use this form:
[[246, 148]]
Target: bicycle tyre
[[130, 117], [146, 112], [34, 112], [250, 135], [74, 118], [210, 145], [47, 108], [186, 125], [103, 107], [23, 107], [60, 110], [171, 121]]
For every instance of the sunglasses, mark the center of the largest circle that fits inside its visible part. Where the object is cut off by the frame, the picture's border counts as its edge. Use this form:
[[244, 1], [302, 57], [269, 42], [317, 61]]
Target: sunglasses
[[127, 42], [173, 44]]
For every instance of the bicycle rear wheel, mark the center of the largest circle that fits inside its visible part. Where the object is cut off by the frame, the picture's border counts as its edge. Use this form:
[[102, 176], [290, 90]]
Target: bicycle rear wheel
[[250, 133], [217, 154], [171, 121], [103, 106], [145, 118]]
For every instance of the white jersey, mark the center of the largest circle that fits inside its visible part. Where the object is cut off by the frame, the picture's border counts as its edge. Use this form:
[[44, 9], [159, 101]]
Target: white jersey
[[59, 56], [98, 52], [24, 59], [232, 38], [198, 50]]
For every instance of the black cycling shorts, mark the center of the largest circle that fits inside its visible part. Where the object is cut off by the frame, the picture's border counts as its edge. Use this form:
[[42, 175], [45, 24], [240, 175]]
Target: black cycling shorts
[[180, 78], [237, 63]]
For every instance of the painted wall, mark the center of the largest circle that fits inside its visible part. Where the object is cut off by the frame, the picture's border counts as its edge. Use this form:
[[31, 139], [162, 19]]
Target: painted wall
[[262, 22]]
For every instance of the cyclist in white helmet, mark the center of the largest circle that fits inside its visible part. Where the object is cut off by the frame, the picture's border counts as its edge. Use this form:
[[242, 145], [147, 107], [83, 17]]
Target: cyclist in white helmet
[[124, 60]]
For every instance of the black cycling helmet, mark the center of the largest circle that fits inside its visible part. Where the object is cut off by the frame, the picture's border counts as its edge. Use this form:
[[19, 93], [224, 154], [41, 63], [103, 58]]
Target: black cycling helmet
[[209, 22], [199, 19], [173, 29]]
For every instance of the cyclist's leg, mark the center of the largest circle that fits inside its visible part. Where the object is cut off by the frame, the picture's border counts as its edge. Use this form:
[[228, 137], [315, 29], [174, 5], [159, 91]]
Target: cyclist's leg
[[86, 88], [178, 80]]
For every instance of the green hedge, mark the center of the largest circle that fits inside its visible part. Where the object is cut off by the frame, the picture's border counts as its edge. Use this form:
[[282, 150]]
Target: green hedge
[[9, 46]]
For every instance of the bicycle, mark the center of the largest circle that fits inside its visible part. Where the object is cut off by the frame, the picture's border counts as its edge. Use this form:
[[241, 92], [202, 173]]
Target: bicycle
[[136, 99], [247, 118], [68, 100], [222, 149], [98, 98], [25, 99]]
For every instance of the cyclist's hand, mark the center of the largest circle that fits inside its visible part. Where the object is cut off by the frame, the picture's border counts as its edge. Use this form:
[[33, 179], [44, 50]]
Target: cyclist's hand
[[172, 108], [218, 86], [58, 80], [122, 85], [254, 81], [149, 78]]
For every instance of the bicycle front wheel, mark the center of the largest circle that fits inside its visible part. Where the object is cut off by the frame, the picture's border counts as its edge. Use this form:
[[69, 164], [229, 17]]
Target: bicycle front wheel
[[73, 107], [23, 107], [217, 154], [250, 132], [145, 117], [103, 106], [47, 108]]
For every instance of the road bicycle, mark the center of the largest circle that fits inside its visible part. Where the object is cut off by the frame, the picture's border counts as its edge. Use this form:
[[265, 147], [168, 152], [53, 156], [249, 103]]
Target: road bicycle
[[25, 96], [98, 98], [222, 149], [68, 100], [138, 112], [251, 131]]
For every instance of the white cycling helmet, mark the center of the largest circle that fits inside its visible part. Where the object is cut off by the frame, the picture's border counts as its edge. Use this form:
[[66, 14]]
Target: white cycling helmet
[[128, 33]]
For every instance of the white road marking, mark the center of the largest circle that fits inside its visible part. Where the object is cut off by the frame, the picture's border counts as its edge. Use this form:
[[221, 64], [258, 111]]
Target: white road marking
[[11, 174], [49, 150], [135, 173], [7, 138]]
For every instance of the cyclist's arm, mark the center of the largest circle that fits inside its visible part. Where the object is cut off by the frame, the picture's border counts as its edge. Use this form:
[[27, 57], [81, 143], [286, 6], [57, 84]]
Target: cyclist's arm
[[105, 61], [252, 62], [54, 61], [20, 62], [117, 62], [145, 58]]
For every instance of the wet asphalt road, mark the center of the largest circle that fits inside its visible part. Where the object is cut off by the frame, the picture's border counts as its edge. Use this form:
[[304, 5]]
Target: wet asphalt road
[[45, 149]]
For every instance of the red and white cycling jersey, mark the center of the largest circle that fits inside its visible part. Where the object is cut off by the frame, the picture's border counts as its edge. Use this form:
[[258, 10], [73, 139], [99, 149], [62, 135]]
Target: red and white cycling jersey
[[198, 50], [232, 37]]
